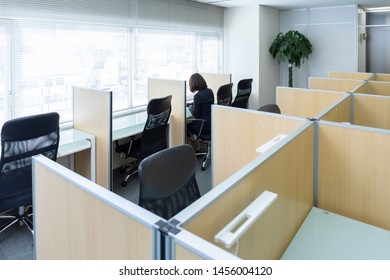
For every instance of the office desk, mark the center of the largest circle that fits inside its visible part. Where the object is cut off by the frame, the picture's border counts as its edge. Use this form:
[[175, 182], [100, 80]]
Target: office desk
[[128, 125], [328, 236], [72, 141]]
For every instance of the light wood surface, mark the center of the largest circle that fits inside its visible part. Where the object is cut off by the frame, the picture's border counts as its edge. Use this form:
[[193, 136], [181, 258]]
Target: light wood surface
[[342, 85], [372, 111], [289, 173], [73, 224], [158, 88], [381, 77], [379, 88], [238, 132], [92, 113], [304, 102], [182, 253], [353, 175], [340, 112], [214, 81], [350, 75]]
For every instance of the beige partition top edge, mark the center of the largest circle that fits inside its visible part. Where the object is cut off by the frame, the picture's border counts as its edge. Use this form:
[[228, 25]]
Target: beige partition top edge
[[289, 173], [353, 176], [158, 88], [72, 223], [92, 113], [381, 77], [305, 103], [343, 85], [350, 75], [241, 132]]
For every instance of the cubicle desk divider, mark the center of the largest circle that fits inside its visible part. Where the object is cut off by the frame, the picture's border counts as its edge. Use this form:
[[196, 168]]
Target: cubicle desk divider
[[343, 85], [340, 111], [214, 81], [372, 110], [92, 113], [351, 75], [305, 103], [158, 88], [381, 77], [353, 175], [286, 169], [237, 133], [378, 88], [75, 218]]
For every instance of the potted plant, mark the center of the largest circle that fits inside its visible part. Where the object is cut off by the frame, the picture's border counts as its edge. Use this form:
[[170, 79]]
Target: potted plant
[[292, 46]]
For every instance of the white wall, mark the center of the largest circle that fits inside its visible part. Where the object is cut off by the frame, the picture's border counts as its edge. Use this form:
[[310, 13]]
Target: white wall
[[241, 41], [269, 71], [333, 33]]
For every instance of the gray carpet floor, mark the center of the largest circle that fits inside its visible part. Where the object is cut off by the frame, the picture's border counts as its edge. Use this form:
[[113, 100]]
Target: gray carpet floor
[[16, 243]]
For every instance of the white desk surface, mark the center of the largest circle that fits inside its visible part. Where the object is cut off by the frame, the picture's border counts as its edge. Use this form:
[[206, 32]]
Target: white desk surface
[[73, 140], [128, 125], [328, 236]]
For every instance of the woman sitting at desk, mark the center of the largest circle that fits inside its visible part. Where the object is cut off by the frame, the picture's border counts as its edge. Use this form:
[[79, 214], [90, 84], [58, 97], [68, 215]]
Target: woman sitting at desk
[[201, 107]]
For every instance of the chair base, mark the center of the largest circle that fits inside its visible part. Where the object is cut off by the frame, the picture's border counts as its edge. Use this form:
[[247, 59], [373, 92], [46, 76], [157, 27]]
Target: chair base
[[133, 170], [23, 217], [207, 155]]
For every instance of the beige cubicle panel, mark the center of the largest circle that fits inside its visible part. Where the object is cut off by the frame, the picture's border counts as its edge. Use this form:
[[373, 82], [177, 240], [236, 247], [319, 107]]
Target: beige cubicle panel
[[353, 175], [287, 171], [305, 103], [215, 80], [343, 85], [381, 77], [76, 219], [92, 113], [378, 88], [238, 132], [350, 75], [160, 88], [339, 111], [372, 110]]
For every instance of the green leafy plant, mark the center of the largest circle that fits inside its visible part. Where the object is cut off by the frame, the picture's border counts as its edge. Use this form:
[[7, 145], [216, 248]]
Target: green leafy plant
[[292, 47]]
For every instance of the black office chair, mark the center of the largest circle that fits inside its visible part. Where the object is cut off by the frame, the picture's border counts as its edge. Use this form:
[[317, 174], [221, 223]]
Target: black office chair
[[272, 108], [21, 139], [224, 95], [167, 181], [244, 89], [153, 138], [204, 139]]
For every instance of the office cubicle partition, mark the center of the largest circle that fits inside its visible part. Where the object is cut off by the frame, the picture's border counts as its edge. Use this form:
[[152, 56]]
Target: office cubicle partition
[[350, 75], [305, 103], [340, 111], [214, 81], [237, 133], [378, 88], [75, 218], [159, 88], [353, 175], [372, 110], [286, 170], [92, 113], [332, 84], [381, 77]]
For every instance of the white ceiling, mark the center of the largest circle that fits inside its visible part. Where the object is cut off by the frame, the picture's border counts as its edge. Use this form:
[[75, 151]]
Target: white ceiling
[[294, 4]]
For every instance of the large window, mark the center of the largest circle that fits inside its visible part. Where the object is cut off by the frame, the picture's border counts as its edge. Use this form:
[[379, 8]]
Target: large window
[[43, 54]]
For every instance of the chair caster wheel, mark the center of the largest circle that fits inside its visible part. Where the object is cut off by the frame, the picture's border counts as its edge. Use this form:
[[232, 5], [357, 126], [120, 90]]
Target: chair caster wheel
[[124, 184], [203, 168]]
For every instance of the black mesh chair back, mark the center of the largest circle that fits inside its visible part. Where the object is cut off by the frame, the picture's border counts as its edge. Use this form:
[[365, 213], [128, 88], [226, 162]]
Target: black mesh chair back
[[271, 108], [224, 95], [167, 181], [154, 136], [244, 89], [21, 139]]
